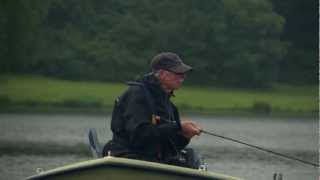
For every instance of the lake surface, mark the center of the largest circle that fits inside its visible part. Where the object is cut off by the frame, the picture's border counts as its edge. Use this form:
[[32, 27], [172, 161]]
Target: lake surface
[[31, 141]]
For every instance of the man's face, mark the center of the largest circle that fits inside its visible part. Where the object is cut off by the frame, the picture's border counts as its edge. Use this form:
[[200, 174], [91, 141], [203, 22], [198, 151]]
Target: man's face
[[171, 80]]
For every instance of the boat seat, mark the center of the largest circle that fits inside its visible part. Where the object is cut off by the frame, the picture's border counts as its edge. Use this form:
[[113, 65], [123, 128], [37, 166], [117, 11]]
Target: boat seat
[[95, 146]]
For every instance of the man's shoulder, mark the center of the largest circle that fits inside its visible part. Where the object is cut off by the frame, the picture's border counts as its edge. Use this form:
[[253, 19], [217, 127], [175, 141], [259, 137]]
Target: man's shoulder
[[135, 87], [134, 90]]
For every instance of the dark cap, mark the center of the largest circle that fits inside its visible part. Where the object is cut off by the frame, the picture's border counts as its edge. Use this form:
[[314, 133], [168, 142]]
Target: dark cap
[[170, 62]]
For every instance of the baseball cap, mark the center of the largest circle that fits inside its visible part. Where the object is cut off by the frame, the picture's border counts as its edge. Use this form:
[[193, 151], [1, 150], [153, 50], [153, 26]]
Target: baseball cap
[[169, 61]]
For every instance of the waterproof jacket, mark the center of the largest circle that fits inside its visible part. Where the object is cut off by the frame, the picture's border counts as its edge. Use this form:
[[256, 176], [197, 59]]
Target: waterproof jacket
[[144, 132]]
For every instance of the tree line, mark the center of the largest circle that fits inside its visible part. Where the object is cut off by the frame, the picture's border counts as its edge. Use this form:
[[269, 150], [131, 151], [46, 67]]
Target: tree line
[[236, 43]]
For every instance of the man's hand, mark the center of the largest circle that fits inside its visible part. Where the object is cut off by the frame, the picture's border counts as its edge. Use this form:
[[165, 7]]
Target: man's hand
[[190, 129]]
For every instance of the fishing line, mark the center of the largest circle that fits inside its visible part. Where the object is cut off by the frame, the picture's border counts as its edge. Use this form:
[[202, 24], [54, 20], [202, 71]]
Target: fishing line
[[260, 148]]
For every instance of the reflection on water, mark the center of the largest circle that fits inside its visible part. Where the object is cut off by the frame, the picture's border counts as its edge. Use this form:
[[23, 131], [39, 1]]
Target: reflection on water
[[29, 141]]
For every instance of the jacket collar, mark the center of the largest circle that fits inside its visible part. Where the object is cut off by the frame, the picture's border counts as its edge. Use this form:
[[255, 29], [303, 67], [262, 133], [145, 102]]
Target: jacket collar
[[154, 85]]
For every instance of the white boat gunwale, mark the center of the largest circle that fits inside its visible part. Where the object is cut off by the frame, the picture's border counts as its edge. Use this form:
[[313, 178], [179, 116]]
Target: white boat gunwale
[[132, 164]]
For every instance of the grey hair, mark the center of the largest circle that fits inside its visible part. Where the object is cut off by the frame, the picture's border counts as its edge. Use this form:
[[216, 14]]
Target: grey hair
[[156, 73]]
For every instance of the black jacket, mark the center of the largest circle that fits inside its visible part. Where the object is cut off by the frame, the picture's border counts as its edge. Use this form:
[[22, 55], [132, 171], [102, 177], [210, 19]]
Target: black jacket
[[135, 134]]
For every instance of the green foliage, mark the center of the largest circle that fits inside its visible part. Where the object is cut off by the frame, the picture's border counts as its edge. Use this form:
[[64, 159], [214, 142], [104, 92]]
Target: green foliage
[[232, 43], [20, 25], [301, 31], [253, 48]]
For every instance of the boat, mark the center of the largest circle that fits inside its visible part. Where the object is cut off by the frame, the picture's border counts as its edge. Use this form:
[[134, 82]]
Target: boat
[[115, 168]]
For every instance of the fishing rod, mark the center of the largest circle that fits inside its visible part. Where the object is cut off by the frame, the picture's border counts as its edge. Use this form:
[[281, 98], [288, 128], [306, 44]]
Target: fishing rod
[[260, 148]]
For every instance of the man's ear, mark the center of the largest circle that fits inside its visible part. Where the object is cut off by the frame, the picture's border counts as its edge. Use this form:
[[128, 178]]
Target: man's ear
[[161, 73]]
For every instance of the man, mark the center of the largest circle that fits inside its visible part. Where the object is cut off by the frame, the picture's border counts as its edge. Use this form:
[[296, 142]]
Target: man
[[145, 123]]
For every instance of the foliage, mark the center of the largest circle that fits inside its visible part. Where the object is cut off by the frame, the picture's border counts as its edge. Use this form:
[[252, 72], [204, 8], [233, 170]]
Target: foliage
[[232, 43], [301, 31]]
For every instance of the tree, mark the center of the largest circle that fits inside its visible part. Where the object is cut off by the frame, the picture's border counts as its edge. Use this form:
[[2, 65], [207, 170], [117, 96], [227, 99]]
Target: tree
[[20, 26], [230, 42], [300, 65]]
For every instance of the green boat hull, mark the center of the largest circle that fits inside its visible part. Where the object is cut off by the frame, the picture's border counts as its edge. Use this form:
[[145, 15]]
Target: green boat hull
[[112, 168]]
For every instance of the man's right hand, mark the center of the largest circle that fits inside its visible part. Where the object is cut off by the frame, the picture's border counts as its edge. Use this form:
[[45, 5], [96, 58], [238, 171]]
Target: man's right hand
[[190, 129]]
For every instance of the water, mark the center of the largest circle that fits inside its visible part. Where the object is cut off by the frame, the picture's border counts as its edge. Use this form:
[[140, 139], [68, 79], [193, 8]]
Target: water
[[31, 141]]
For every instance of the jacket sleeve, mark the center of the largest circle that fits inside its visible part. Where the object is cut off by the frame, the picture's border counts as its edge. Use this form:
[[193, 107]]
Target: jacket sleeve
[[178, 139], [138, 121]]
